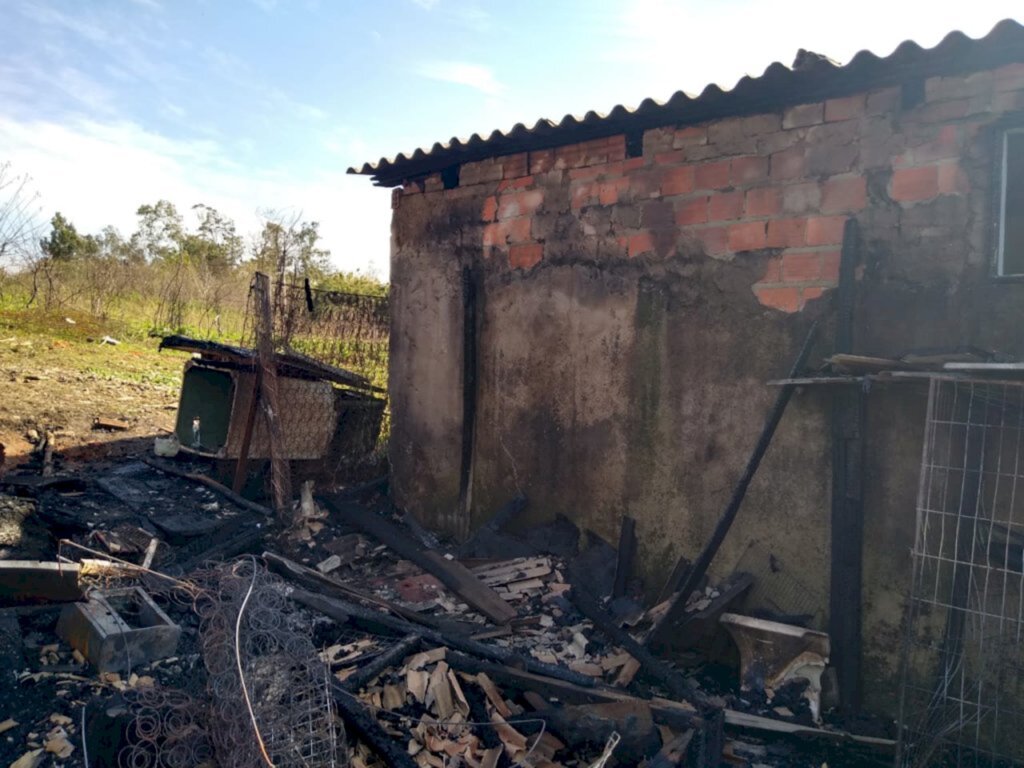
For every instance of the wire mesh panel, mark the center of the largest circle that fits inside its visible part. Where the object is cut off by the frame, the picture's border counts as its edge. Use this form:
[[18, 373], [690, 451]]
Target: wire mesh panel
[[962, 699], [348, 330]]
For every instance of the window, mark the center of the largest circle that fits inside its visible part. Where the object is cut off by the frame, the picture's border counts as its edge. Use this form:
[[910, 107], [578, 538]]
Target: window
[[1010, 259]]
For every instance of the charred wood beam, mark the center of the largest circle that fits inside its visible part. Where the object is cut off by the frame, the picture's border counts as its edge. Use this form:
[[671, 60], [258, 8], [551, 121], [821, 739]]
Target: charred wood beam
[[391, 657], [210, 483], [374, 621], [364, 725]]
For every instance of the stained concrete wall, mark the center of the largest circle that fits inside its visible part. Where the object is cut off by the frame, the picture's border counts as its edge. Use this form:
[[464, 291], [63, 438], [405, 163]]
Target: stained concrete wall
[[631, 310]]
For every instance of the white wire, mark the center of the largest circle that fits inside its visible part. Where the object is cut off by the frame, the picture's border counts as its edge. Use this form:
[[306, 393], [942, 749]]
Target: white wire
[[241, 675]]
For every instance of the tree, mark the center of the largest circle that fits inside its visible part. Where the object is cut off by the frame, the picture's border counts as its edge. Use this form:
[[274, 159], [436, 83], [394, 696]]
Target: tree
[[161, 231], [19, 221], [215, 244], [288, 244], [64, 242]]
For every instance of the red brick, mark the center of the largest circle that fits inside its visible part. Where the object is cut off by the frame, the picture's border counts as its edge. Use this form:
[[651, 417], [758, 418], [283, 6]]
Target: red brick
[[846, 108], [944, 146], [525, 256], [542, 161], [715, 240], [952, 179], [608, 191], [712, 175], [515, 165], [582, 194], [494, 234], [785, 298], [725, 206], [632, 164], [690, 135], [801, 267], [641, 242], [830, 266], [788, 164], [772, 271], [786, 233], [646, 182], [747, 236], [747, 170], [1009, 78], [520, 183], [519, 203], [811, 292], [490, 208], [677, 181], [844, 194], [914, 184], [825, 230], [766, 201], [694, 211], [675, 157], [517, 230]]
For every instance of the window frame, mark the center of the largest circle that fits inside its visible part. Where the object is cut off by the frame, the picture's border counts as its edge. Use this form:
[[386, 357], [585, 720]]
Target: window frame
[[1004, 146]]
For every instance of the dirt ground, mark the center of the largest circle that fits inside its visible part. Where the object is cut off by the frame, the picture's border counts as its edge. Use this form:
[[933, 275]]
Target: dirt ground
[[59, 376]]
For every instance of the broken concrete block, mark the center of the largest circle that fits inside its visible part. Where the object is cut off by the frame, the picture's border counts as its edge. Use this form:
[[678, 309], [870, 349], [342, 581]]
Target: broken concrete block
[[118, 629]]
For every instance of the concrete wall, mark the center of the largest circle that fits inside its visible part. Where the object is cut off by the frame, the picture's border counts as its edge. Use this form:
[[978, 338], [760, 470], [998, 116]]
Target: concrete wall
[[632, 308]]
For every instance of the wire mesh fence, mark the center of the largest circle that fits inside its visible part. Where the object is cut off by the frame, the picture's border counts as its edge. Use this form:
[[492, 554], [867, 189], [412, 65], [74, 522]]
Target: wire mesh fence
[[347, 330], [962, 693]]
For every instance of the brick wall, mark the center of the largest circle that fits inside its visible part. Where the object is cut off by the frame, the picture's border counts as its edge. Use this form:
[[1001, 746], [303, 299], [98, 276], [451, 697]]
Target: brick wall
[[780, 185]]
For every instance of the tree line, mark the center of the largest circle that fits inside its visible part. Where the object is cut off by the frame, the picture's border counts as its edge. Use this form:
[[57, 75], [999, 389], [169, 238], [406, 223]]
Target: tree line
[[176, 272]]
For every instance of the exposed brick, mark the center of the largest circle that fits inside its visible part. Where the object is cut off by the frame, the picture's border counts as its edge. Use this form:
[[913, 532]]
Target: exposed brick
[[945, 145], [952, 180], [809, 292], [494, 234], [590, 172], [725, 206], [801, 198], [757, 125], [828, 158], [632, 164], [672, 157], [1008, 101], [748, 170], [830, 266], [525, 256], [785, 297], [715, 240], [729, 137], [542, 161], [517, 230], [1009, 78], [411, 188], [433, 183], [825, 230], [657, 140], [747, 236], [712, 175], [692, 211], [581, 194], [519, 203], [763, 201], [801, 267], [844, 194], [803, 114], [642, 242], [689, 136], [514, 166], [846, 108], [884, 101], [944, 111], [958, 87], [913, 184], [478, 172], [646, 182], [490, 208], [772, 271], [608, 191], [786, 233], [678, 181], [787, 164], [770, 143], [520, 183]]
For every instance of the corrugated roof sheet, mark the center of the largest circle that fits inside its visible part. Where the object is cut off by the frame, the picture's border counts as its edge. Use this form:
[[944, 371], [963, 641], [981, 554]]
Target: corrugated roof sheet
[[779, 86]]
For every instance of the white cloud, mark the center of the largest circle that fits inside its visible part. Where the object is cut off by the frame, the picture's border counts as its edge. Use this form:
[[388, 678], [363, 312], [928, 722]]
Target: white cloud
[[462, 73], [426, 4], [98, 173]]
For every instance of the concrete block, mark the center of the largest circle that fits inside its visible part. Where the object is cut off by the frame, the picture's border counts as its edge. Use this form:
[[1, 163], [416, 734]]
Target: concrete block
[[119, 628]]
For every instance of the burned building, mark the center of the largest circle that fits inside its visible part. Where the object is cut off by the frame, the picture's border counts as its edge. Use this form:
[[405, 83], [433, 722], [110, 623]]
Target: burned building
[[590, 312]]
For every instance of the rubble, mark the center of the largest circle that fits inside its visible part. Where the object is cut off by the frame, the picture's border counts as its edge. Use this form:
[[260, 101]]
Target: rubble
[[427, 659]]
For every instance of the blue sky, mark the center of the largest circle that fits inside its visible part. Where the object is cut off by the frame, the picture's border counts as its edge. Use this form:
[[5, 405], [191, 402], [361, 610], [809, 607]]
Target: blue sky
[[263, 104]]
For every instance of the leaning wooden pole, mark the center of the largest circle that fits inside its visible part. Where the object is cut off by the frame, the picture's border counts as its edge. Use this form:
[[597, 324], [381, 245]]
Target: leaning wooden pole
[[707, 555]]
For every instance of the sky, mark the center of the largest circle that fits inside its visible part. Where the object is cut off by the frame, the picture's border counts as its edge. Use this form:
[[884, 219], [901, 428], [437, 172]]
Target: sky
[[255, 105]]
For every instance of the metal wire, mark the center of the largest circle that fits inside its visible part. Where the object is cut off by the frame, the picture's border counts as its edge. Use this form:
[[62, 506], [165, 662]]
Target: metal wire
[[962, 691]]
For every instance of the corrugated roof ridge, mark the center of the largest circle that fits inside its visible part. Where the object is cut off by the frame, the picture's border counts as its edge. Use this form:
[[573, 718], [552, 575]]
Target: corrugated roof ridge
[[907, 52]]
